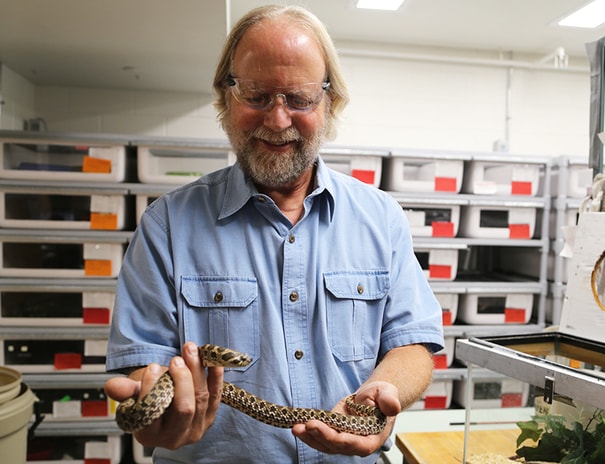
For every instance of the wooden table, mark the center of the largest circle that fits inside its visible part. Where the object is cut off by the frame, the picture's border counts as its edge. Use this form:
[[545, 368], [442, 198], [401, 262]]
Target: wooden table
[[448, 447]]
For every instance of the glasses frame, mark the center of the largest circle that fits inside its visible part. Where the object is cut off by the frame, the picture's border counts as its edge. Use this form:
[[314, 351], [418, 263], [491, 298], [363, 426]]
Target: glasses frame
[[233, 84]]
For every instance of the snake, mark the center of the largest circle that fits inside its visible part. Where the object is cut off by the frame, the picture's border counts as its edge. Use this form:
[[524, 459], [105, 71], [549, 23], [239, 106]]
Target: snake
[[134, 414]]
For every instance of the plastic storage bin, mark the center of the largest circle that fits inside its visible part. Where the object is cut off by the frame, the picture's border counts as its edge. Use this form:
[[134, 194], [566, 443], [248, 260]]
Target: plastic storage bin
[[36, 355], [433, 220], [54, 306], [72, 257], [493, 221], [449, 306], [573, 178], [180, 161], [75, 404], [51, 157], [493, 393], [414, 171], [437, 263], [364, 165], [437, 396], [495, 308], [444, 358], [494, 177], [62, 208], [83, 449]]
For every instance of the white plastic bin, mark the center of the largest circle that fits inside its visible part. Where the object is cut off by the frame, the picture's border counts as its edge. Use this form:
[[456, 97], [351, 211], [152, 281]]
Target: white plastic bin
[[59, 404], [74, 257], [414, 171], [449, 307], [495, 308], [572, 178], [427, 220], [437, 396], [180, 161], [364, 165], [43, 355], [61, 158], [498, 177], [444, 358], [437, 263], [62, 208], [83, 449], [493, 221], [492, 393], [55, 306]]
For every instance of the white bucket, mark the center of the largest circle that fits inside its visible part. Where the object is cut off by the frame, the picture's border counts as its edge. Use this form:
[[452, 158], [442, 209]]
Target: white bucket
[[15, 413]]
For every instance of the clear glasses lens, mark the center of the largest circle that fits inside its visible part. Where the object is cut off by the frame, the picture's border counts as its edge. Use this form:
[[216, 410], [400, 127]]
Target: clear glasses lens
[[304, 97]]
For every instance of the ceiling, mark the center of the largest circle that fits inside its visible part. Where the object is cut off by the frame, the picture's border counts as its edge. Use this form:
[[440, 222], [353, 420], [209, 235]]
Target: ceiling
[[174, 45]]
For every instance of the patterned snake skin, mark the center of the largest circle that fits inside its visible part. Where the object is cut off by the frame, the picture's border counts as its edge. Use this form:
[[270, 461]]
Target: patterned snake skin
[[133, 415]]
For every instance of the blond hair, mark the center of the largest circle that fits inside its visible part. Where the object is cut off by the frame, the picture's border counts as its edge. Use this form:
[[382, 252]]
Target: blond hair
[[337, 93]]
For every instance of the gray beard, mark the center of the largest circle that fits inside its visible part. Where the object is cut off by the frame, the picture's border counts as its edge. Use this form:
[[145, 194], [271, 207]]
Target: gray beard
[[269, 169]]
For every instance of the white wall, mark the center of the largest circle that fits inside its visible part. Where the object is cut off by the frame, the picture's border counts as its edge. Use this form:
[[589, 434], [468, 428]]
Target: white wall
[[17, 101], [395, 102]]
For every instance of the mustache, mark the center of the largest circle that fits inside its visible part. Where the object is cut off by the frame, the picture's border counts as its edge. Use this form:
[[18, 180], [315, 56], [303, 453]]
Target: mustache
[[291, 134]]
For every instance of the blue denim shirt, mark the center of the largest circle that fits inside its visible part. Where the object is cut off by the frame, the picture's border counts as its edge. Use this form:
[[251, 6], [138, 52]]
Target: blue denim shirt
[[316, 305]]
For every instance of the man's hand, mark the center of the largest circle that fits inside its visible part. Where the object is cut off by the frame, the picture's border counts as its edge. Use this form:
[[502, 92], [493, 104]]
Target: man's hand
[[193, 409], [320, 436]]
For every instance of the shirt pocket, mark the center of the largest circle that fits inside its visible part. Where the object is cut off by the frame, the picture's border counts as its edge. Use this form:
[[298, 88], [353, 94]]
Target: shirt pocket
[[354, 311], [222, 311]]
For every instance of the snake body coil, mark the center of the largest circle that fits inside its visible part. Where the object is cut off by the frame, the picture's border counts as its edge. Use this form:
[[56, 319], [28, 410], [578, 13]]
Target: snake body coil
[[133, 415]]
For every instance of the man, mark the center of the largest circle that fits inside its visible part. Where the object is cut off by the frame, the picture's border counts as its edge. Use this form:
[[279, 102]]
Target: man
[[308, 271]]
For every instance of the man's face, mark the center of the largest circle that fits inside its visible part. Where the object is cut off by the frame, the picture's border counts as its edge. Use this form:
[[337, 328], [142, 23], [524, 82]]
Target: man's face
[[275, 146]]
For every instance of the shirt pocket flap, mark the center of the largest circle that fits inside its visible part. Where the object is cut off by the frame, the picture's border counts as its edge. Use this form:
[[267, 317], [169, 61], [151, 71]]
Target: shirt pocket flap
[[221, 292], [370, 285]]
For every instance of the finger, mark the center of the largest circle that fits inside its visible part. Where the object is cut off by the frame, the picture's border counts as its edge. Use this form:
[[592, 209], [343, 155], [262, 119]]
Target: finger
[[121, 388]]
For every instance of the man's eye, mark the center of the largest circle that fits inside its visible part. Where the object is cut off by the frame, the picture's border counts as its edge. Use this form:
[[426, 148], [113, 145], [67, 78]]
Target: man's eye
[[299, 101], [258, 99]]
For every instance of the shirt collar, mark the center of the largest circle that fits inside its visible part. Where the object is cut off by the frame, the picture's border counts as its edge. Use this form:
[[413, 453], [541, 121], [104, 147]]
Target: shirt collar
[[240, 189]]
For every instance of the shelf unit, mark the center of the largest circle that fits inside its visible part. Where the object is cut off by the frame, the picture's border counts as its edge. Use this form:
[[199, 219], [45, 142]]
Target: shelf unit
[[357, 161]]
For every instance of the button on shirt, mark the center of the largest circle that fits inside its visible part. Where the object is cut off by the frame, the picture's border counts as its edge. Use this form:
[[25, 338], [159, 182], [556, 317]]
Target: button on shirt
[[316, 305]]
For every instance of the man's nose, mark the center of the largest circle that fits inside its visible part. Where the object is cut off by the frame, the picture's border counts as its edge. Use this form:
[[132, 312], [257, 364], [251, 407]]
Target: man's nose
[[277, 117]]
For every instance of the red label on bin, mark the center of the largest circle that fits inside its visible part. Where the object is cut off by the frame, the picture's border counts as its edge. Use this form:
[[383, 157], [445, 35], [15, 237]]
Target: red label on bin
[[97, 461], [95, 315], [94, 408], [364, 175], [512, 400], [440, 271], [443, 229], [447, 317], [518, 231], [440, 361], [68, 361], [445, 184], [520, 188], [435, 402], [514, 315]]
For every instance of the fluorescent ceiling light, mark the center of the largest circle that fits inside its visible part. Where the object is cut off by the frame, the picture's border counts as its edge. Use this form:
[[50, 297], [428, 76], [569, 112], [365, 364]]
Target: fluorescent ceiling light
[[391, 5], [589, 16]]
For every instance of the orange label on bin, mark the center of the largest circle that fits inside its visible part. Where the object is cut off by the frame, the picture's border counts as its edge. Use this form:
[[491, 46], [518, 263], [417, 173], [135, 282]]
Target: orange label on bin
[[364, 175], [95, 315], [68, 361], [105, 221], [96, 165], [520, 187], [514, 315], [445, 184], [97, 408], [518, 231], [97, 267], [440, 361], [512, 400], [440, 271], [442, 229], [447, 317], [435, 402]]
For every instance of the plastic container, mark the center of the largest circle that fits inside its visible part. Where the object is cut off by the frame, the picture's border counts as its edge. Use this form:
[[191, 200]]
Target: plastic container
[[483, 221], [501, 178], [14, 416], [495, 308]]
